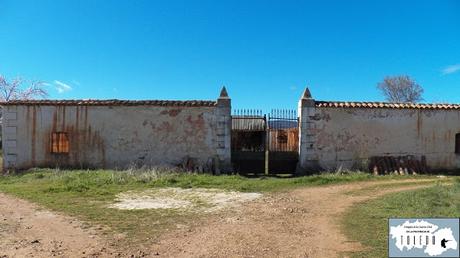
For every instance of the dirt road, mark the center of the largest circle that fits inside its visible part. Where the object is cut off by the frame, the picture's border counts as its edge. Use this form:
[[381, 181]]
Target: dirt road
[[299, 223], [28, 231]]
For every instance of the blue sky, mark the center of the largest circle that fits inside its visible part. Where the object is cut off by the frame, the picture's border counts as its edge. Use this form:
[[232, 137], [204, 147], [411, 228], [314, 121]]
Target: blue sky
[[265, 52]]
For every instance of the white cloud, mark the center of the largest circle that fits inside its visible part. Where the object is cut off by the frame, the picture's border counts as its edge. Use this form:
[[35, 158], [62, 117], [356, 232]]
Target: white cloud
[[62, 87], [451, 69]]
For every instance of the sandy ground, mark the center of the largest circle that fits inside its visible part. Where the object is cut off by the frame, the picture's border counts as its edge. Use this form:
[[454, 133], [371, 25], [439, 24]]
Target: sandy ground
[[192, 199], [28, 231], [299, 223]]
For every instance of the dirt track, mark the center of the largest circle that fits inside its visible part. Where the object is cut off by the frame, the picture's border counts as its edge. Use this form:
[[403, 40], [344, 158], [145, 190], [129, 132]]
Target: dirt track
[[28, 231], [299, 223]]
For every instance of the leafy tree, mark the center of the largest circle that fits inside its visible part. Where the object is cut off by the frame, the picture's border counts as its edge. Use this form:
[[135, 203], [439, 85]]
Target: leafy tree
[[401, 89]]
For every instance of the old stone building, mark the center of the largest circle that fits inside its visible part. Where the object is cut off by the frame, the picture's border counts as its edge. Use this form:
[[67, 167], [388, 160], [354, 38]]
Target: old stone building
[[117, 134], [378, 136], [204, 136]]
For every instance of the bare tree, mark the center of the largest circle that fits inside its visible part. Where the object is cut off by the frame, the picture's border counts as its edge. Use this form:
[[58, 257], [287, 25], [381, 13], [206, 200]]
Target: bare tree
[[15, 89], [401, 89]]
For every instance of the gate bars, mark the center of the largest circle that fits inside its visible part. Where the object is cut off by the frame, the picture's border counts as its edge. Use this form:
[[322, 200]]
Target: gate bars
[[260, 138], [283, 130]]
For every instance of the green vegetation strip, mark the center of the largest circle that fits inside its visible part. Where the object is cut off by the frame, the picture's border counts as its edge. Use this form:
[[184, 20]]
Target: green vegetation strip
[[86, 194], [394, 184], [367, 222]]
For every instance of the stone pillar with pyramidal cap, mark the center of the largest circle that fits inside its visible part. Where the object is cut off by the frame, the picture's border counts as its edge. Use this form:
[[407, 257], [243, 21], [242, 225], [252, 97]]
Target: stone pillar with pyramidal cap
[[308, 160], [224, 132]]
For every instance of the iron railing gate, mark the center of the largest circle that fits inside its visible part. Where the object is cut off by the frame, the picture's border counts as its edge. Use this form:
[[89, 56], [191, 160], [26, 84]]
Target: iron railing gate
[[262, 145], [248, 141], [283, 141]]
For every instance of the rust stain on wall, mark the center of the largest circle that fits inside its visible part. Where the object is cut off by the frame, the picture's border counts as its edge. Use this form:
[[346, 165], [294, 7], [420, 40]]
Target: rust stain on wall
[[399, 132], [447, 137], [419, 123], [84, 143], [171, 112], [63, 117], [198, 123], [34, 134], [55, 119], [157, 135], [196, 129], [165, 126], [76, 138]]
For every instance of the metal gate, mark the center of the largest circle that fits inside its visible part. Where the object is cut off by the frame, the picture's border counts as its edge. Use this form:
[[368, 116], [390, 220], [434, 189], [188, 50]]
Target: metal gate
[[262, 145], [248, 141], [283, 138]]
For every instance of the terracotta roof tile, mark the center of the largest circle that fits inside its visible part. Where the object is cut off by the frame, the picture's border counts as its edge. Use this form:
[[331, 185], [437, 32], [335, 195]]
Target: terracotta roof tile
[[110, 102], [346, 104]]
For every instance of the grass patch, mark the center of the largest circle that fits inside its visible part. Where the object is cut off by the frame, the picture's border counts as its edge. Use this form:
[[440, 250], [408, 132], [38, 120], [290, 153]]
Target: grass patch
[[86, 194], [367, 222], [392, 184]]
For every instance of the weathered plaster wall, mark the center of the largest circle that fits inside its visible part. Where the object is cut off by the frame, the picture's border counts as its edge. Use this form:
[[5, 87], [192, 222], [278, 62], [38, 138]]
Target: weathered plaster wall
[[348, 137], [115, 136]]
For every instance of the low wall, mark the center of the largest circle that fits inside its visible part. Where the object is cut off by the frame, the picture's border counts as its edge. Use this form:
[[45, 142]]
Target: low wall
[[118, 135], [348, 137]]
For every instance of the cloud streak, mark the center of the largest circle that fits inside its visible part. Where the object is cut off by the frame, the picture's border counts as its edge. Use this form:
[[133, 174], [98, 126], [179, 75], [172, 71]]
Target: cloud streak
[[62, 87], [450, 69]]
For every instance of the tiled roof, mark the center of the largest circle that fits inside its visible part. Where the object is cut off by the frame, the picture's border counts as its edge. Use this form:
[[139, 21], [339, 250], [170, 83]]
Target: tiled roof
[[347, 104], [110, 102]]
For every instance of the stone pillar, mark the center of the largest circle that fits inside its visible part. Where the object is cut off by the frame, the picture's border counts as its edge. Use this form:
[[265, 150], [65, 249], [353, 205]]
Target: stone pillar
[[308, 159], [224, 133], [9, 137]]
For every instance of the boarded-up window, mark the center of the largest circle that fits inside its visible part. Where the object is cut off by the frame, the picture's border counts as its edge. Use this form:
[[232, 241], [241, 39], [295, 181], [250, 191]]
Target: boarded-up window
[[457, 143], [59, 142]]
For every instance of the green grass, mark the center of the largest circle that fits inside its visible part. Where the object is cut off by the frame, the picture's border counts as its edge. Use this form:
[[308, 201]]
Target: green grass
[[107, 180], [85, 194], [392, 185], [368, 222]]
